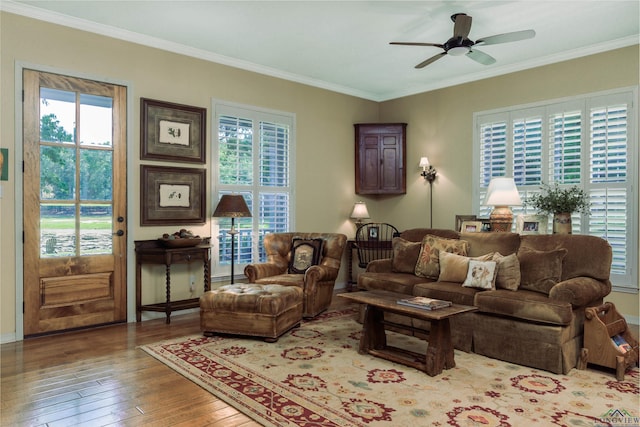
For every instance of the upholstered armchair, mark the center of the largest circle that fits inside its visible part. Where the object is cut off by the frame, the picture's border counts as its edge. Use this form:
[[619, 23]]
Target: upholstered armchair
[[317, 282]]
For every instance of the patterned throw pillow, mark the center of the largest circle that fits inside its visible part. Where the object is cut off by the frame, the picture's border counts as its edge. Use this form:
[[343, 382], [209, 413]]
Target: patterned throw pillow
[[540, 270], [481, 275], [453, 268], [405, 255], [304, 254], [508, 276], [428, 264]]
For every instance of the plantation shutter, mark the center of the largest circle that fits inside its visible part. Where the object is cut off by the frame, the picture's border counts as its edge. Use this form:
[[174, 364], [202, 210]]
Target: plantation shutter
[[253, 153], [608, 182], [583, 141]]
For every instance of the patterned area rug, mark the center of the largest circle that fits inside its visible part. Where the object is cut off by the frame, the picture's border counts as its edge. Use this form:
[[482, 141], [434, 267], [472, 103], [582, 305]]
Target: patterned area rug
[[314, 376]]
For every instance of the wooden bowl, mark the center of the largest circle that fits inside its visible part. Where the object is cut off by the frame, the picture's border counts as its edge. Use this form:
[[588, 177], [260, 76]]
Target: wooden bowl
[[181, 243]]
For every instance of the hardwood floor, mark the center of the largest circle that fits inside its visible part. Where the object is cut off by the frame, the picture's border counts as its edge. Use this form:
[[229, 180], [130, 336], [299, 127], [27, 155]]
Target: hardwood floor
[[98, 377]]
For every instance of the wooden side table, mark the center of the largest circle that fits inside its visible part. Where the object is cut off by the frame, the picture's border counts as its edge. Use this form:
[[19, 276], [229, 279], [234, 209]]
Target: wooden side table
[[153, 252]]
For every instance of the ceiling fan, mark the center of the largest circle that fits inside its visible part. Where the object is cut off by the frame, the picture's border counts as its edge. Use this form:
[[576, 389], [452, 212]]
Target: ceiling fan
[[460, 44]]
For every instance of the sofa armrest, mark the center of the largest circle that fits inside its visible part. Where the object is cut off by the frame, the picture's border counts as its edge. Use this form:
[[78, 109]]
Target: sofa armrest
[[580, 291], [259, 271], [380, 266]]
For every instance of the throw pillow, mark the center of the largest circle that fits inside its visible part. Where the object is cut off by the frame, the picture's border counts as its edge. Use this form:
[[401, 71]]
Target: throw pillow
[[481, 275], [540, 270], [405, 255], [508, 276], [304, 254], [428, 264], [453, 268]]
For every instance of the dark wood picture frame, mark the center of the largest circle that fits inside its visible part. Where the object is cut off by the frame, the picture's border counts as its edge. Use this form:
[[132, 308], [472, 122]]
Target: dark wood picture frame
[[462, 218], [173, 132], [172, 195]]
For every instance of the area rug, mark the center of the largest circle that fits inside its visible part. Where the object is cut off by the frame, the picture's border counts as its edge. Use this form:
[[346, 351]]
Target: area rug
[[314, 376]]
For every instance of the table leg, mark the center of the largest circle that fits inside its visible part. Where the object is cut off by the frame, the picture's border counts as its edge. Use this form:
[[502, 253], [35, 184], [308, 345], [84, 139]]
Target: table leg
[[440, 349], [373, 335]]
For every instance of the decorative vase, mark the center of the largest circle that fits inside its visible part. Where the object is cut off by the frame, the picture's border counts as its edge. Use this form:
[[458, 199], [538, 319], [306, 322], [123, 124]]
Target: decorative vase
[[562, 223]]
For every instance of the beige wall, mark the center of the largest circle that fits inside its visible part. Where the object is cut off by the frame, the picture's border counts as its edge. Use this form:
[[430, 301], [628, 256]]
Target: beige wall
[[439, 126]]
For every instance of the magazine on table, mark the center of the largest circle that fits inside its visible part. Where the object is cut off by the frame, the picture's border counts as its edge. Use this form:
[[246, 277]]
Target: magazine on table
[[424, 303]]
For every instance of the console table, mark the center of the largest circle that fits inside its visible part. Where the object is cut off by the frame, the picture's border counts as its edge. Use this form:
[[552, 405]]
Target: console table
[[153, 252]]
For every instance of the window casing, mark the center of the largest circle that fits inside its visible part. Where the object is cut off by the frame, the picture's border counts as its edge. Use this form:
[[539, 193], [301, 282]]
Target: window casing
[[590, 141], [252, 156]]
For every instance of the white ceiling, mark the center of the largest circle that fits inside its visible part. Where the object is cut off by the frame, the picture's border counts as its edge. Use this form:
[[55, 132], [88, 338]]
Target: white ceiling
[[344, 45]]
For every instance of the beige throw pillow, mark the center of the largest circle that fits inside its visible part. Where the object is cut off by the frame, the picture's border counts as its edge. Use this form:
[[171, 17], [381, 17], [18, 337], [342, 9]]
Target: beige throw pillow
[[453, 268], [508, 276], [428, 264]]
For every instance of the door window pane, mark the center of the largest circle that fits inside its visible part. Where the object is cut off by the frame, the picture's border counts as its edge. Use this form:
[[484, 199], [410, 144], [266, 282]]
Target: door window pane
[[95, 229], [57, 115], [96, 174], [57, 230], [96, 120], [57, 172]]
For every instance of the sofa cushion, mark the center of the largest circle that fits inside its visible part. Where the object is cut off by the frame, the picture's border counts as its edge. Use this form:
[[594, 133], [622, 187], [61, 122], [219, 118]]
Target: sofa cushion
[[428, 264], [447, 291], [540, 270], [484, 243], [508, 276], [481, 275], [526, 305], [395, 282], [405, 255], [453, 268]]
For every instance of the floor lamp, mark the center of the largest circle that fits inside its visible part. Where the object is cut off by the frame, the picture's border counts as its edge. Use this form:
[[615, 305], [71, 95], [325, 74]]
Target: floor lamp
[[232, 206], [428, 173]]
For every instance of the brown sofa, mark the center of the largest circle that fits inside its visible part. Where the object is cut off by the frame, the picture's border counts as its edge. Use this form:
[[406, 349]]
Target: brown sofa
[[317, 282], [540, 323]]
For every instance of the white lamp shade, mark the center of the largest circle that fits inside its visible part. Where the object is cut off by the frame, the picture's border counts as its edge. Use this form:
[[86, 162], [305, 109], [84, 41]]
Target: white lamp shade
[[360, 211], [502, 192], [424, 162]]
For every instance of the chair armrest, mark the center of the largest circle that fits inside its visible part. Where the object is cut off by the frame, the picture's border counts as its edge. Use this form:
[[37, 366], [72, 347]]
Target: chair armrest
[[580, 291], [319, 273], [380, 266], [259, 271]]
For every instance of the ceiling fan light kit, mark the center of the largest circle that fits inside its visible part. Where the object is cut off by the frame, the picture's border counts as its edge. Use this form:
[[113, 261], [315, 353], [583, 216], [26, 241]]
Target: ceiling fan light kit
[[460, 44]]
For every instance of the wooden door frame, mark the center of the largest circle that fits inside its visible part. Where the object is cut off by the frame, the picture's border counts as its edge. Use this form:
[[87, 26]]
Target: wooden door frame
[[19, 190]]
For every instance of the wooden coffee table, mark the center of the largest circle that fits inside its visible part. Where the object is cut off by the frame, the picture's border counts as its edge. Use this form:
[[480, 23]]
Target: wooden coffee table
[[439, 354]]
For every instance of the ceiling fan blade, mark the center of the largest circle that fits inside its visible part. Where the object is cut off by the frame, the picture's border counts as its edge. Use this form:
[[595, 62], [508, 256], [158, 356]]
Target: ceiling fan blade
[[462, 25], [418, 44], [481, 57], [507, 37], [430, 60]]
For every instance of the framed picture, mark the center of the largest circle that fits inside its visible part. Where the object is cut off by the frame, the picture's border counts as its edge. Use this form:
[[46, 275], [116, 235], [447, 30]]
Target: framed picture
[[374, 232], [471, 227], [532, 224], [172, 195], [486, 224], [4, 164], [461, 218], [172, 131]]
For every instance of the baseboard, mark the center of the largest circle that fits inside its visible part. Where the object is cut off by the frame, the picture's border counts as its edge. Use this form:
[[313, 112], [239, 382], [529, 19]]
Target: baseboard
[[7, 338]]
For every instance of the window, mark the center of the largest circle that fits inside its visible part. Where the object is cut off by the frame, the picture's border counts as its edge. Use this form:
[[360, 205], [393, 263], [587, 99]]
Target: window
[[589, 141], [252, 154]]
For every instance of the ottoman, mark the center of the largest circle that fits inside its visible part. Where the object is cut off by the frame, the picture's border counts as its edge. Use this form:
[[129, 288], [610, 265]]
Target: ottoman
[[248, 309]]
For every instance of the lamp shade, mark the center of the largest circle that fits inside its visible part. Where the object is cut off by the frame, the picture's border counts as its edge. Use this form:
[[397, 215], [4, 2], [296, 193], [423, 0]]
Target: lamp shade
[[502, 192], [424, 163], [233, 206], [360, 211]]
